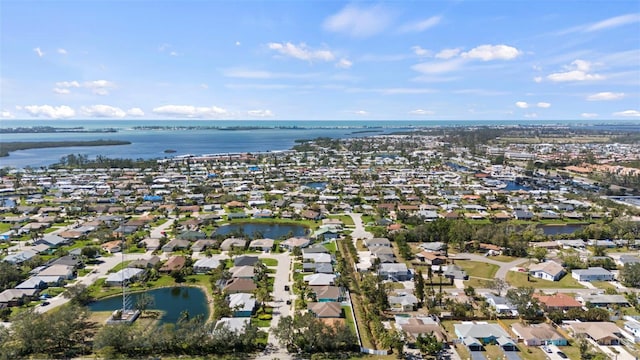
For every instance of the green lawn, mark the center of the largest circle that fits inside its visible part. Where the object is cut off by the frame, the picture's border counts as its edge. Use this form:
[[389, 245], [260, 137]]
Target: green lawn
[[519, 279], [120, 266], [4, 227], [348, 317], [478, 269], [604, 285], [346, 219], [478, 283], [331, 247], [503, 258], [269, 262]]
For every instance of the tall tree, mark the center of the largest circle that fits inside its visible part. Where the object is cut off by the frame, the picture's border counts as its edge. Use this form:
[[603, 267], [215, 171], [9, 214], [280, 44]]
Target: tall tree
[[418, 281]]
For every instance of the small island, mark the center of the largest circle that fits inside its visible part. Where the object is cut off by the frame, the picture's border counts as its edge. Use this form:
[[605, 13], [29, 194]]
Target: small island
[[170, 151], [7, 147]]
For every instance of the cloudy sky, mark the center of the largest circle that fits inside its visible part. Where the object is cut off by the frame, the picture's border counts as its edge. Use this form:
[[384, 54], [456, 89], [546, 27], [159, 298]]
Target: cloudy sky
[[320, 60]]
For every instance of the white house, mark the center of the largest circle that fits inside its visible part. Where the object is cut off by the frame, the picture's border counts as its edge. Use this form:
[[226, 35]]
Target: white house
[[124, 275], [548, 270], [592, 274]]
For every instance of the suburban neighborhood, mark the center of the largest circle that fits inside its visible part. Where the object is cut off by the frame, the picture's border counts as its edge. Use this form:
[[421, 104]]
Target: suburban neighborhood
[[410, 246]]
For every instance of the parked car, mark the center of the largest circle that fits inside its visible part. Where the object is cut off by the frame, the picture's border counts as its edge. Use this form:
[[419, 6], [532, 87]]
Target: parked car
[[546, 349], [45, 303], [286, 288], [561, 354]]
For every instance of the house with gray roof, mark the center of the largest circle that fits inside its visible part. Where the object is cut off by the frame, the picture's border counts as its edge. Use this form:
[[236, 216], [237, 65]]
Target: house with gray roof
[[603, 300], [484, 332], [592, 274], [395, 272], [548, 270], [125, 275], [204, 265]]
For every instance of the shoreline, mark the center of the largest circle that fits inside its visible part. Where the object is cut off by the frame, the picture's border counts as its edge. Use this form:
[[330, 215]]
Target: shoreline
[[204, 289]]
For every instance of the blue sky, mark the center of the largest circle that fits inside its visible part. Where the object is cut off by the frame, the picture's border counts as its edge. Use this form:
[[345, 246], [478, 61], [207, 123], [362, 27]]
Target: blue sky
[[321, 60]]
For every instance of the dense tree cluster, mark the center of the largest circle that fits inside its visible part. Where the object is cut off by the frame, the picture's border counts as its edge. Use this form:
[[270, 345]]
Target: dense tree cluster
[[190, 336], [307, 334]]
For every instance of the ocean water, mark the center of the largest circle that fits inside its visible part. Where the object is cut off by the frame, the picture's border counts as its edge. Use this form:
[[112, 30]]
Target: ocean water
[[210, 137]]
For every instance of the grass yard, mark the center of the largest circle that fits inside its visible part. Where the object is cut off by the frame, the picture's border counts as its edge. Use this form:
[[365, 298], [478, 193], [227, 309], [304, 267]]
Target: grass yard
[[269, 262], [348, 317], [4, 227], [120, 266], [503, 258], [331, 247], [604, 285], [478, 269], [478, 283], [519, 279], [346, 219]]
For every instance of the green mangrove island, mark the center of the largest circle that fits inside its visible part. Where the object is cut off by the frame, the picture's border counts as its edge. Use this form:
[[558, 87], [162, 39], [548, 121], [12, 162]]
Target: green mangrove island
[[7, 147]]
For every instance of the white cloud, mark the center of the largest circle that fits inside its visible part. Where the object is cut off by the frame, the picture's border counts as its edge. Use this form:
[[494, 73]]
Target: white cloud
[[62, 51], [589, 115], [420, 51], [260, 113], [204, 86], [68, 84], [522, 104], [135, 112], [359, 21], [38, 52], [577, 71], [537, 79], [99, 87], [189, 111], [543, 105], [173, 53], [238, 43], [438, 67], [422, 25], [301, 52], [614, 22], [421, 112], [6, 115], [531, 115], [627, 113], [53, 112], [103, 111], [492, 52], [344, 64], [61, 91], [605, 96], [448, 53], [361, 112]]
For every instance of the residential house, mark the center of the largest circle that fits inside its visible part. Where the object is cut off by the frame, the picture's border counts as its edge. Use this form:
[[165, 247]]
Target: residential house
[[319, 279], [558, 301], [592, 274], [394, 271], [538, 334], [64, 271], [235, 324], [295, 242], [175, 244], [240, 285], [33, 282], [16, 297], [548, 270], [245, 260], [376, 242], [431, 258], [604, 300], [175, 263], [264, 245], [420, 325], [403, 302], [230, 243], [204, 265], [523, 215], [436, 246], [326, 309], [500, 304], [485, 333], [145, 263], [203, 244], [324, 268], [316, 258], [245, 272], [19, 257], [327, 293], [242, 304], [126, 275], [52, 240], [603, 333], [455, 272], [627, 259]]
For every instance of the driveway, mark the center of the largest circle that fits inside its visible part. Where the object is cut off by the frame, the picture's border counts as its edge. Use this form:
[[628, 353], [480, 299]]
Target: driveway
[[279, 304], [477, 355], [504, 267], [511, 355]]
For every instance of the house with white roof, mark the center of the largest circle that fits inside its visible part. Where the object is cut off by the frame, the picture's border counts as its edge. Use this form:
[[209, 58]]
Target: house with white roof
[[125, 275], [592, 274]]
